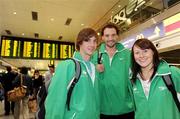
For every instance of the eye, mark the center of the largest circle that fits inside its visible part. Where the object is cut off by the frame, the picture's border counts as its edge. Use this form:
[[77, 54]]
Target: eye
[[146, 50], [113, 35], [106, 35], [136, 52]]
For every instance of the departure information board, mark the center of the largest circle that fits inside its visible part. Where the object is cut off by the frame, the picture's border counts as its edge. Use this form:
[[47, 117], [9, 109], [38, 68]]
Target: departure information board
[[31, 49], [65, 51], [50, 50], [12, 47]]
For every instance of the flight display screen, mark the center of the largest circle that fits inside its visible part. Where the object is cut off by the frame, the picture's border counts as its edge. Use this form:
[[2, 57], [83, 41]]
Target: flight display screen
[[12, 47]]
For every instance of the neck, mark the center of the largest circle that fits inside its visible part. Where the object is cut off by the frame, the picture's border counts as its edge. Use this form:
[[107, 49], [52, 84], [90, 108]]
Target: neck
[[146, 73], [111, 49], [85, 56]]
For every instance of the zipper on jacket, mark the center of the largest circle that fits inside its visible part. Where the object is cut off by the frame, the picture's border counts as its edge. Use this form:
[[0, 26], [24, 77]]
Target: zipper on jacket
[[74, 115], [110, 61]]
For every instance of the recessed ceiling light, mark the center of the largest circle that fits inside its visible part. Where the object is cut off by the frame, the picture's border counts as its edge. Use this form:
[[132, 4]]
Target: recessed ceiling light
[[112, 11], [98, 34], [52, 19], [82, 24], [48, 36], [23, 34], [119, 5], [14, 13]]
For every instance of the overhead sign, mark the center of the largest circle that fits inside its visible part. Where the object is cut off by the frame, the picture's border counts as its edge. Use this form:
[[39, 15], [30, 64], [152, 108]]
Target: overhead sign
[[168, 26], [12, 47], [50, 50], [66, 51], [172, 24], [31, 49], [125, 12], [152, 32]]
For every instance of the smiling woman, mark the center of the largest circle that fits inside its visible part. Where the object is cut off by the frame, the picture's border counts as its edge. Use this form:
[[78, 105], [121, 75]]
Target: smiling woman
[[151, 94]]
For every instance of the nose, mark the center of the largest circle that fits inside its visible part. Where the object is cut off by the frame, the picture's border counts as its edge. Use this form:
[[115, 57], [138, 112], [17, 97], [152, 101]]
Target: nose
[[141, 54], [92, 44], [111, 37]]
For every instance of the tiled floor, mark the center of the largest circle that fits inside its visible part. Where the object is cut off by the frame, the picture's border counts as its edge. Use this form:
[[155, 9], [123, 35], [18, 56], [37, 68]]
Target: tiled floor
[[2, 116]]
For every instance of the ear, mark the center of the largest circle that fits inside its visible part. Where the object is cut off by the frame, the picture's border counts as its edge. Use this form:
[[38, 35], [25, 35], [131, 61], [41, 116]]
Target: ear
[[103, 38]]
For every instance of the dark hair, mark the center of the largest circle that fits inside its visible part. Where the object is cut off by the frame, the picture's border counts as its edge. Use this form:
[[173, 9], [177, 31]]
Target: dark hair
[[110, 25], [36, 71], [8, 68], [51, 65], [24, 70], [144, 44], [84, 35]]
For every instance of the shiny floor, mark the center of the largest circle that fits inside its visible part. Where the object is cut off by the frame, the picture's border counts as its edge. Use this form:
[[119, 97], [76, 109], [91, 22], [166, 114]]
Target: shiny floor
[[2, 116]]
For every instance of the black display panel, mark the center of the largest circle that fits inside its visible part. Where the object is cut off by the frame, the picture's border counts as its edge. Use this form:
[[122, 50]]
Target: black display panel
[[15, 47]]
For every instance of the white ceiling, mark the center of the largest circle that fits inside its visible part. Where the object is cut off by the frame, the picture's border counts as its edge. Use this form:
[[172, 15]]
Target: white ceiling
[[91, 13]]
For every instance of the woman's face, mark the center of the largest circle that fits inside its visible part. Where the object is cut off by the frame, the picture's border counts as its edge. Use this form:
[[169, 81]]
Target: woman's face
[[143, 57]]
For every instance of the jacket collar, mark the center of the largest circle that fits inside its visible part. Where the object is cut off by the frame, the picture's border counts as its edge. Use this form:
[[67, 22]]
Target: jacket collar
[[163, 68], [77, 56]]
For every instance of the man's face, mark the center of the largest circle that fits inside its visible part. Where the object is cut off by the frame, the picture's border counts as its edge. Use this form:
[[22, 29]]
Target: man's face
[[88, 47], [110, 37], [51, 69]]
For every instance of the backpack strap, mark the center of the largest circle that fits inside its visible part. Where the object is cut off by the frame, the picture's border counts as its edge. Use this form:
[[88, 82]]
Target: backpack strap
[[99, 57], [73, 82], [170, 85]]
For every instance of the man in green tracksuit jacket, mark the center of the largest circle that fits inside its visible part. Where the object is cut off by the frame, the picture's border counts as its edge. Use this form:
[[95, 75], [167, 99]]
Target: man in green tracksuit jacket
[[115, 99], [84, 103], [160, 103]]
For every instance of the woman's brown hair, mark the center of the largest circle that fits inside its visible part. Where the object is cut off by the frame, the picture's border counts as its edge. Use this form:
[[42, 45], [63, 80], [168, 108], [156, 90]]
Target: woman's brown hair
[[144, 44]]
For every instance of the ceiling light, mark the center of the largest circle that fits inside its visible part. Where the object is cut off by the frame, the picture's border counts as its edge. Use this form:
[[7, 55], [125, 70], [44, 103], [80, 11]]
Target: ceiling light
[[48, 36], [23, 34], [98, 34], [52, 19], [119, 5], [128, 21], [82, 24], [112, 11], [14, 13]]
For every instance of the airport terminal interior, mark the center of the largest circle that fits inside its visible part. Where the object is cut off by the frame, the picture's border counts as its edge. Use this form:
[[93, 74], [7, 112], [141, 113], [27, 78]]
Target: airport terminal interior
[[40, 33]]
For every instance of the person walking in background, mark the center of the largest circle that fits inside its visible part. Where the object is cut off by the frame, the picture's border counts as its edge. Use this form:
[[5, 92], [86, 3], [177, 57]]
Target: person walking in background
[[49, 73], [7, 85], [84, 103], [152, 98], [26, 81], [37, 82], [113, 70]]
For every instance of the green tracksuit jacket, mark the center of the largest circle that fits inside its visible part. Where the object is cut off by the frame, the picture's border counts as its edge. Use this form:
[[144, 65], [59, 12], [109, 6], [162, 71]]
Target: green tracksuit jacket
[[84, 102], [113, 82], [160, 103]]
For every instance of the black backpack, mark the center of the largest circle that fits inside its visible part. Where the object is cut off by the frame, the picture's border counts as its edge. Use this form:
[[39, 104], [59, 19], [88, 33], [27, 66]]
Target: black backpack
[[43, 92], [170, 85]]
